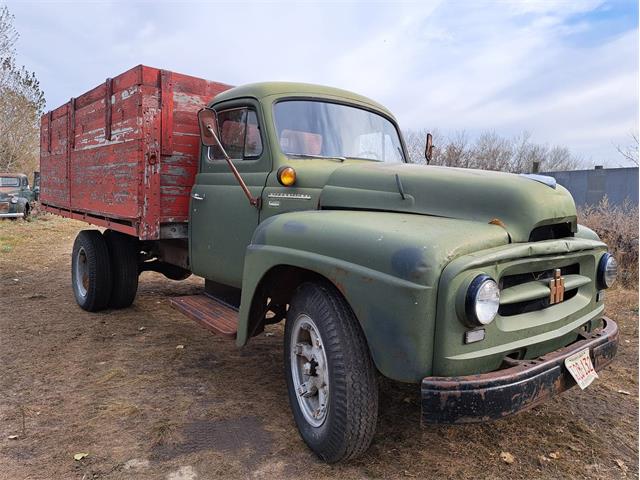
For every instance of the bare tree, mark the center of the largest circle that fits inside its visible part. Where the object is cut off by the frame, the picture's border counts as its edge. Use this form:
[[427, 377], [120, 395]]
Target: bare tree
[[455, 152], [21, 104], [490, 151], [630, 152]]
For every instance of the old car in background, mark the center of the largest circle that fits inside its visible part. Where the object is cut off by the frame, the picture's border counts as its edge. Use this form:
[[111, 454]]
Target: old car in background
[[16, 196]]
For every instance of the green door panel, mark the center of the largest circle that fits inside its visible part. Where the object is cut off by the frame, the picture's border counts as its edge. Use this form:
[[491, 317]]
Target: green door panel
[[221, 225], [222, 221]]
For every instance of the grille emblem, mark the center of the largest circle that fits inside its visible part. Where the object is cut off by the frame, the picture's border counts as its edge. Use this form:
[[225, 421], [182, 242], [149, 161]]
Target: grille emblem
[[556, 287]]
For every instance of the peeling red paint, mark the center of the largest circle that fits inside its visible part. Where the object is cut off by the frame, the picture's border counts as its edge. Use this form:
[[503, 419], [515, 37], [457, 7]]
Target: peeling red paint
[[125, 151]]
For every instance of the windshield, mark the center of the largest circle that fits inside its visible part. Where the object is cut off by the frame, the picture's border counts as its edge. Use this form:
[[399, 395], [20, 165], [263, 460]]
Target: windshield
[[309, 128], [9, 182]]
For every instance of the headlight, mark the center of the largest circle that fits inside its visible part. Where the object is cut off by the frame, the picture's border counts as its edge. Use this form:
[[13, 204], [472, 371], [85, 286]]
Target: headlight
[[607, 271], [14, 200], [482, 300]]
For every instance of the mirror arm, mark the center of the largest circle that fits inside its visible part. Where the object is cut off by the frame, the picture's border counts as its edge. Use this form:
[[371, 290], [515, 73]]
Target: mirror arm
[[254, 201]]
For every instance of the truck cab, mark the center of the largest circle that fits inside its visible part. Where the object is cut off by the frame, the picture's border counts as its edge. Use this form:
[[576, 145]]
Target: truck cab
[[450, 273], [479, 287]]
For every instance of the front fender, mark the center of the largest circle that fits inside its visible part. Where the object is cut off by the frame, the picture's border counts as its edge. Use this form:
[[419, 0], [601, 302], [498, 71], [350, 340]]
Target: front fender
[[387, 266]]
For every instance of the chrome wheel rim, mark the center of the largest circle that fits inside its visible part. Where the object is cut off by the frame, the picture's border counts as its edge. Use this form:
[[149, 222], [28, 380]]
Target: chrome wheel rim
[[309, 370], [82, 272]]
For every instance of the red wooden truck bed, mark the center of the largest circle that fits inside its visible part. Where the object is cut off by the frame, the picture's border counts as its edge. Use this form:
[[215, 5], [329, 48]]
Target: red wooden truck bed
[[124, 155]]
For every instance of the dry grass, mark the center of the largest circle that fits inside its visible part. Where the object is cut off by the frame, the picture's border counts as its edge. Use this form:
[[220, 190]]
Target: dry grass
[[617, 226]]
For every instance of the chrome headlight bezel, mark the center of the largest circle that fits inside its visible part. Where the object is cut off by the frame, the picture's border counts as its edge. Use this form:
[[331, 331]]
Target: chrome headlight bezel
[[607, 271], [484, 289], [14, 200]]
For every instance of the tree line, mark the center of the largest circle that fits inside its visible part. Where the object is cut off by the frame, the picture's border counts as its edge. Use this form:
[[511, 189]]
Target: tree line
[[22, 103], [490, 151]]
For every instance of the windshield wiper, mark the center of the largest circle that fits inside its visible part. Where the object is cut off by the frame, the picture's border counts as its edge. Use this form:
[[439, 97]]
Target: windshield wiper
[[324, 157]]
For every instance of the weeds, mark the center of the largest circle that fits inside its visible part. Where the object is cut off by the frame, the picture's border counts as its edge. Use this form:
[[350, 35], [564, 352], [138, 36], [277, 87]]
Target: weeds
[[617, 226]]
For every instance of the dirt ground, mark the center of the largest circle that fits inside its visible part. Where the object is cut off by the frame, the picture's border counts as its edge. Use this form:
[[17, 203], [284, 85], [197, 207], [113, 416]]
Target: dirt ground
[[117, 386]]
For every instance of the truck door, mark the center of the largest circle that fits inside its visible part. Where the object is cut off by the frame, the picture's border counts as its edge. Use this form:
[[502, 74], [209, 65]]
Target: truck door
[[222, 221]]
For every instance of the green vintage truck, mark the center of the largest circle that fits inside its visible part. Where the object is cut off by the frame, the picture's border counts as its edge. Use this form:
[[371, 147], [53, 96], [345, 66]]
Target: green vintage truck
[[479, 287], [16, 196]]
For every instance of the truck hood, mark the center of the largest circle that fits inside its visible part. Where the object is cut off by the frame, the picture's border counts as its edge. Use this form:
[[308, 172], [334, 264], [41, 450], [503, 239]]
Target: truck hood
[[516, 202]]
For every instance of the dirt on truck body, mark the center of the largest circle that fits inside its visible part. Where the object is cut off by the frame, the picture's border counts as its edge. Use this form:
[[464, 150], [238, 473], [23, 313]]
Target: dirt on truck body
[[296, 203]]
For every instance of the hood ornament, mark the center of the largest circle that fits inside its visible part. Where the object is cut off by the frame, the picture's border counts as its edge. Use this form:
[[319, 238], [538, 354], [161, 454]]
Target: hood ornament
[[556, 287]]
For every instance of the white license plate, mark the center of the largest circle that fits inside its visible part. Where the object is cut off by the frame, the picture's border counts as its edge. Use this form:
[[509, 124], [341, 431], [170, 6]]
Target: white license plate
[[581, 369]]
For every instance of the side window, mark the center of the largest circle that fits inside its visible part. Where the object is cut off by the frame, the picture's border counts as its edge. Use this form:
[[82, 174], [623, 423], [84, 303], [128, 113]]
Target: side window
[[239, 134]]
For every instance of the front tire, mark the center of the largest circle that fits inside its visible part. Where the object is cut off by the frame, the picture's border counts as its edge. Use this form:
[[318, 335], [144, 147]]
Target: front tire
[[331, 379], [91, 271]]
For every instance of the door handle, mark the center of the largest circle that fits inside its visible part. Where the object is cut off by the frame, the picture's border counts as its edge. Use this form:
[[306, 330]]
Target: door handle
[[197, 196]]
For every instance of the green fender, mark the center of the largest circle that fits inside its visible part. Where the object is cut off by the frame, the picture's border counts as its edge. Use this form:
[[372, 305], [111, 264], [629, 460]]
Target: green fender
[[387, 266]]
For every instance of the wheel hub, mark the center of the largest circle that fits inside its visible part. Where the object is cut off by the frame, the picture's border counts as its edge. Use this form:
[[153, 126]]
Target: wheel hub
[[309, 370], [82, 272]]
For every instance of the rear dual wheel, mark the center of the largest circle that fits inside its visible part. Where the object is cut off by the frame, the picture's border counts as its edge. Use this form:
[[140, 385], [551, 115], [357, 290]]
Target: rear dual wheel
[[104, 270], [124, 268], [91, 271]]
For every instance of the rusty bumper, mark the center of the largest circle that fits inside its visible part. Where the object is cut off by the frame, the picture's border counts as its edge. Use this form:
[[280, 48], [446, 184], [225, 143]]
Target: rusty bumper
[[494, 395]]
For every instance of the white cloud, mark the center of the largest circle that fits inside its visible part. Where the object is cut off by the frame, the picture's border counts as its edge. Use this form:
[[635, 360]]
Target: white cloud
[[511, 65]]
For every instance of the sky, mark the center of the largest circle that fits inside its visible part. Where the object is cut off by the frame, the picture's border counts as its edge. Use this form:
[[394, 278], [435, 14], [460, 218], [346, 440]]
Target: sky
[[564, 71]]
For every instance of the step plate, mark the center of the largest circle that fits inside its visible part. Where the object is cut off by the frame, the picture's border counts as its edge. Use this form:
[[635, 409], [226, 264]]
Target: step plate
[[208, 312]]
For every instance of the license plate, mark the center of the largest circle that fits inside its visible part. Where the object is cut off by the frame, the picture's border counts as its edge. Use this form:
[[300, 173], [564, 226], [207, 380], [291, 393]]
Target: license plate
[[581, 369]]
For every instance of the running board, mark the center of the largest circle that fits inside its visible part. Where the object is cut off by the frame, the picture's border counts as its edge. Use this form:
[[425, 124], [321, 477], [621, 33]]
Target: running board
[[210, 313]]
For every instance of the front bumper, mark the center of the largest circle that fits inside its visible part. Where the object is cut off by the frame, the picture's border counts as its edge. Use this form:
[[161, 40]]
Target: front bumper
[[494, 395], [11, 215]]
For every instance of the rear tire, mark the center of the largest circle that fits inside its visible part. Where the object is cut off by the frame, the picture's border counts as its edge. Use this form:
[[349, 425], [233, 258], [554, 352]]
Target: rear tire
[[91, 271], [124, 268], [340, 423]]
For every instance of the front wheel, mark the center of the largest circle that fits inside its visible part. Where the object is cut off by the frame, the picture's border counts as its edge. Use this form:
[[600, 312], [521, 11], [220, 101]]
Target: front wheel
[[331, 378]]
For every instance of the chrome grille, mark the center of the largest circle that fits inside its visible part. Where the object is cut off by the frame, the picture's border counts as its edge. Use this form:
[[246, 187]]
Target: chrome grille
[[530, 292]]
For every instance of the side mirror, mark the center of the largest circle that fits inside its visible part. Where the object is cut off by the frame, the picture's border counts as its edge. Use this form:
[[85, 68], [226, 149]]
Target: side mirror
[[428, 149], [208, 122]]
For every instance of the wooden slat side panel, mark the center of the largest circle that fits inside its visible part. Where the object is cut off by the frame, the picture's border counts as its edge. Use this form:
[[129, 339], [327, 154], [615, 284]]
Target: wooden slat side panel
[[105, 172], [126, 177], [105, 180], [125, 123], [54, 185]]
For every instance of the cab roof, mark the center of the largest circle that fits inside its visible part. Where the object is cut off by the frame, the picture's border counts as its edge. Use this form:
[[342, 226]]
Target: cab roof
[[283, 89]]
